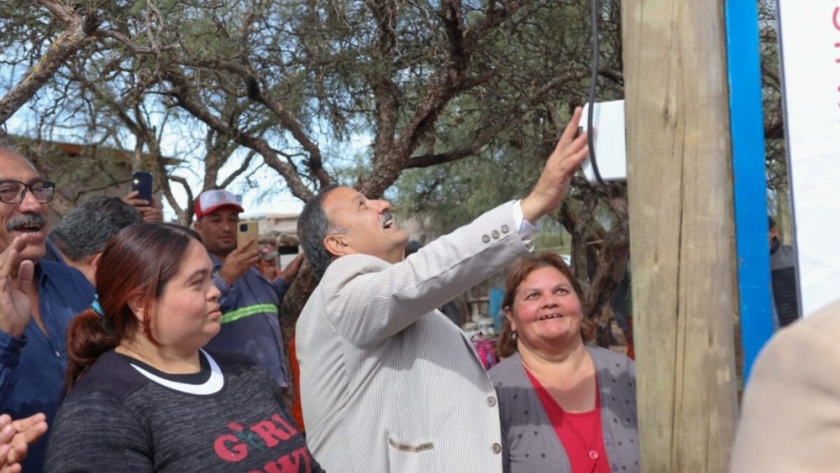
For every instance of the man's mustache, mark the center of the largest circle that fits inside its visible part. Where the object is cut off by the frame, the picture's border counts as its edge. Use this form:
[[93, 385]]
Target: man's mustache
[[26, 220]]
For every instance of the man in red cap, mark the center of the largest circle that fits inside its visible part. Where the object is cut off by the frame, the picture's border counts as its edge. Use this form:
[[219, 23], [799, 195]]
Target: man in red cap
[[249, 301]]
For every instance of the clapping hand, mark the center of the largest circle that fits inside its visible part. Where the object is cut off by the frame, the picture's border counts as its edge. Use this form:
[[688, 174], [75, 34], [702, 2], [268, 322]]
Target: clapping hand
[[15, 284], [15, 438]]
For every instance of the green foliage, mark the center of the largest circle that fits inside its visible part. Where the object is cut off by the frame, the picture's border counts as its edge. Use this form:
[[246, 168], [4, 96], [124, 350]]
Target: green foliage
[[557, 240]]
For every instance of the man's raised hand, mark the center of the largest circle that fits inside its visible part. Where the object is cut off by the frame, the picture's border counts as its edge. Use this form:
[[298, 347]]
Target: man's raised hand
[[15, 283], [553, 184]]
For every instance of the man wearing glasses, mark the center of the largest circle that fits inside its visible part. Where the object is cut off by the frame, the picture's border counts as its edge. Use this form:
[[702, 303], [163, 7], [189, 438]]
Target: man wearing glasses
[[33, 355]]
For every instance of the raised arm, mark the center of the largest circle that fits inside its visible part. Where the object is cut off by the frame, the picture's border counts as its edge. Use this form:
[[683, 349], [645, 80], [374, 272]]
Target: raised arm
[[371, 300]]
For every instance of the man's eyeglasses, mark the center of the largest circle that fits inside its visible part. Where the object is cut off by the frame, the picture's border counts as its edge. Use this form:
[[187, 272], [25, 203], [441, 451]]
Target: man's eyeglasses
[[13, 192]]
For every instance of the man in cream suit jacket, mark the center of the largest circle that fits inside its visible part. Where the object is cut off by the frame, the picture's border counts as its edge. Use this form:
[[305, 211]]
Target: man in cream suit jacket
[[790, 421], [388, 383]]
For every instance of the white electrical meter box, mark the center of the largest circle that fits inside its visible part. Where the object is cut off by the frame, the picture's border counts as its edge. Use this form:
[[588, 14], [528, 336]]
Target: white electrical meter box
[[609, 140]]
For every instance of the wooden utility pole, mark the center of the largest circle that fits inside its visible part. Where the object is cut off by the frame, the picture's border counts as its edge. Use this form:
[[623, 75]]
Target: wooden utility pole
[[681, 230]]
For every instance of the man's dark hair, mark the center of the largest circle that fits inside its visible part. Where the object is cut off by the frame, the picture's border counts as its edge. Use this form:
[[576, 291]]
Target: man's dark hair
[[772, 222], [313, 227], [85, 230]]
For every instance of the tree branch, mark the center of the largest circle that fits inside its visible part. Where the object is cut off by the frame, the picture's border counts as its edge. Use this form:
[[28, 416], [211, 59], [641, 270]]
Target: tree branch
[[66, 14], [489, 132], [125, 40], [241, 170], [314, 162], [75, 37], [385, 92], [614, 76], [288, 121], [184, 214], [443, 86], [181, 92]]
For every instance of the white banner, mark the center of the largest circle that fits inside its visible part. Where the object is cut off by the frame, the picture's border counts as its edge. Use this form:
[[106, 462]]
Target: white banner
[[810, 46]]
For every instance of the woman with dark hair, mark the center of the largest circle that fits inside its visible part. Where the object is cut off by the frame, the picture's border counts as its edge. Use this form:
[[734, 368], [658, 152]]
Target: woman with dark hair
[[565, 406], [142, 395]]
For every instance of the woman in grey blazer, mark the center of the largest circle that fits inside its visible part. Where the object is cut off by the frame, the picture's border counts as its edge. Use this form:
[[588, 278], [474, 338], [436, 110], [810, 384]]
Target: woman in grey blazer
[[564, 406]]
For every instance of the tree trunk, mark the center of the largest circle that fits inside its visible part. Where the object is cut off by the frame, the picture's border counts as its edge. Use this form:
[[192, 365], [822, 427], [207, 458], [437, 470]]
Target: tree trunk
[[612, 262], [611, 249], [611, 256]]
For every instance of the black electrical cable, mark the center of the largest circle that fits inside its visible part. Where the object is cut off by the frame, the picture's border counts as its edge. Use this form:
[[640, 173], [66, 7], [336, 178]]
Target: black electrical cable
[[592, 87]]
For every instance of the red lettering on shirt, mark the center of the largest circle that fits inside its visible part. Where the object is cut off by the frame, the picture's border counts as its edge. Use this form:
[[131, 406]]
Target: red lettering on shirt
[[233, 447], [270, 433], [228, 448], [283, 423]]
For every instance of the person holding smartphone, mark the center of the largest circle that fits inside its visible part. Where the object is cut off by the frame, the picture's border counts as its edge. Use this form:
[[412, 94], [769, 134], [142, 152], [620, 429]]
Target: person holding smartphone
[[249, 302], [142, 198]]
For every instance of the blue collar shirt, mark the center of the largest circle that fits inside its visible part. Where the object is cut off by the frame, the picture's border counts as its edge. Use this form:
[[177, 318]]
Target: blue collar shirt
[[32, 367]]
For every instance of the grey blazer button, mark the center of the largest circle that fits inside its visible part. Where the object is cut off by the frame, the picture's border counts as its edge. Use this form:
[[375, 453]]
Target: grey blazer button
[[497, 448], [505, 229], [491, 401], [495, 235], [485, 239]]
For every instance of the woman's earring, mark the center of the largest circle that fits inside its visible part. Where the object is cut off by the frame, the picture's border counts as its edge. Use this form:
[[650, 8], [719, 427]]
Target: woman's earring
[[514, 334]]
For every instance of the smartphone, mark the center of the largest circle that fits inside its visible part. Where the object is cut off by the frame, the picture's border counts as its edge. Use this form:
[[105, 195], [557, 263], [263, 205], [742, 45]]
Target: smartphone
[[246, 230], [141, 181]]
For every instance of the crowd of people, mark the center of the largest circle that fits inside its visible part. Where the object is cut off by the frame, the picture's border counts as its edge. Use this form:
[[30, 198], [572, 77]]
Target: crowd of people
[[132, 345], [108, 316]]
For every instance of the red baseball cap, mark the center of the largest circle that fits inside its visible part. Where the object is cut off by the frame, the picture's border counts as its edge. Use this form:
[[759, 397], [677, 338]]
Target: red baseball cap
[[212, 200]]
